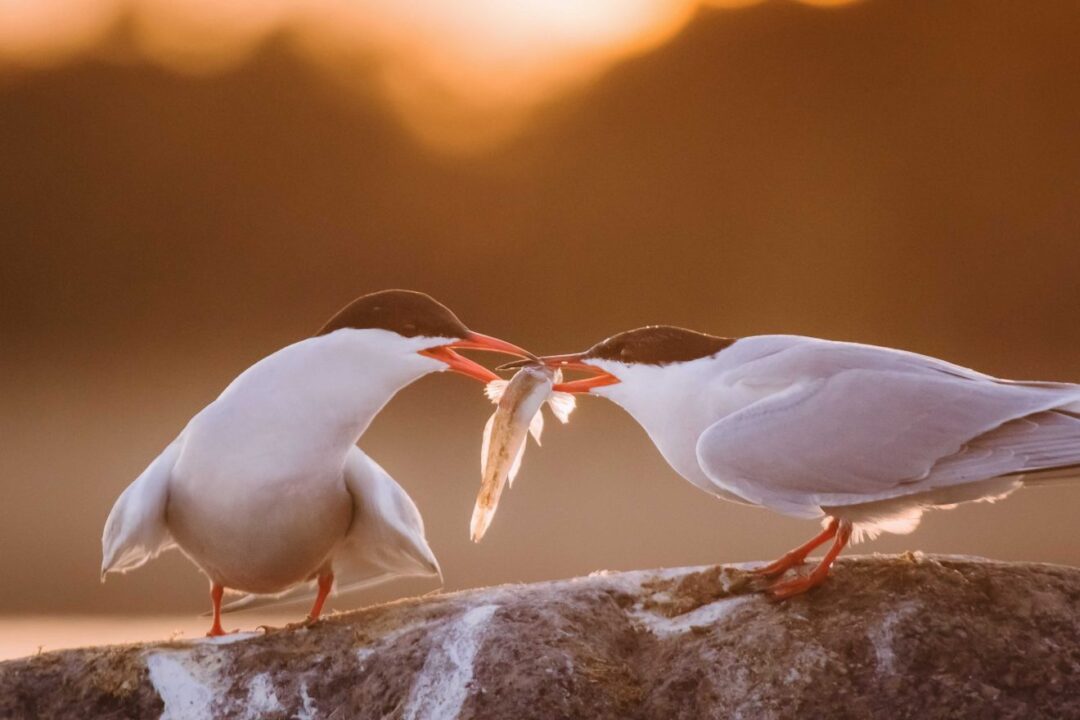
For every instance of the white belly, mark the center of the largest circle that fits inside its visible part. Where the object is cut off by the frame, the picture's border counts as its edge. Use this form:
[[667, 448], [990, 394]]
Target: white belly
[[259, 535]]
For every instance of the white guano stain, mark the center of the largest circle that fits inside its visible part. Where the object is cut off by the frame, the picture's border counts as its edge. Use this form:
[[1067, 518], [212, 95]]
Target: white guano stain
[[192, 686], [307, 704], [363, 654], [228, 639], [439, 691], [261, 698], [703, 616], [882, 637], [187, 689]]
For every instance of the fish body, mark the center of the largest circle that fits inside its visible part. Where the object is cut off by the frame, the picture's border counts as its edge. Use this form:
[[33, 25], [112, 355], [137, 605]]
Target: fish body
[[518, 413]]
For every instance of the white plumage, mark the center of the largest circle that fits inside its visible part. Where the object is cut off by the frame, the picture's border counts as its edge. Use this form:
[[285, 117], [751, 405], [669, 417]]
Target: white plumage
[[799, 425], [867, 436], [265, 489]]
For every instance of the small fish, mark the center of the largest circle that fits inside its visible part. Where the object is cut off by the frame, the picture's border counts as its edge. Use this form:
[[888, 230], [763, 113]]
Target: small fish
[[519, 401]]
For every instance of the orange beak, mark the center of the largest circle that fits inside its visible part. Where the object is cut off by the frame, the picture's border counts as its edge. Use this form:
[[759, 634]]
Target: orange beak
[[572, 362], [475, 341]]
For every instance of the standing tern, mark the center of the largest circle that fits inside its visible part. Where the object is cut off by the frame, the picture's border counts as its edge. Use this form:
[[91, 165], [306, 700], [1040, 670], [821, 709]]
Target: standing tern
[[265, 489], [865, 437]]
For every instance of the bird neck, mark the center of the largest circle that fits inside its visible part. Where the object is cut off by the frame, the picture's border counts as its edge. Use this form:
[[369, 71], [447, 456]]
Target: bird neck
[[671, 402], [326, 390]]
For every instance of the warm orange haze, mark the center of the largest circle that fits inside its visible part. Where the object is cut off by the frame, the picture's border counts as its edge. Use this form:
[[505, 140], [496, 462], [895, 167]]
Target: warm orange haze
[[187, 187], [462, 75]]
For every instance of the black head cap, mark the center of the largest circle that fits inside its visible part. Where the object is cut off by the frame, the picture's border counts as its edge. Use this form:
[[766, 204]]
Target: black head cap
[[657, 345], [406, 312]]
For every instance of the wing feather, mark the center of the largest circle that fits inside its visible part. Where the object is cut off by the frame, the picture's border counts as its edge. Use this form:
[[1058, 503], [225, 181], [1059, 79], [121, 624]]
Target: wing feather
[[864, 434], [135, 531], [385, 540]]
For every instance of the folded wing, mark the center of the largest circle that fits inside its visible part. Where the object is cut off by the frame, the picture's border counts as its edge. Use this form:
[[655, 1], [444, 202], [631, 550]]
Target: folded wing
[[135, 531], [385, 540], [865, 434]]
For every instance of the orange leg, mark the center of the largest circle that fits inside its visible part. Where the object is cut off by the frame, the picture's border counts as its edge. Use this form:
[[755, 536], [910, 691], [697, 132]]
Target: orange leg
[[325, 583], [790, 588], [798, 555], [216, 591]]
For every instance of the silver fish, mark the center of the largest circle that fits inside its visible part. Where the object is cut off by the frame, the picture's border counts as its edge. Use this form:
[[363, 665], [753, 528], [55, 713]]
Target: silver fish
[[519, 401]]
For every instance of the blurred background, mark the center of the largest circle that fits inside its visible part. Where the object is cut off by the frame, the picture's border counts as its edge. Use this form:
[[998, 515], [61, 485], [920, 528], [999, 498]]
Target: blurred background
[[187, 186]]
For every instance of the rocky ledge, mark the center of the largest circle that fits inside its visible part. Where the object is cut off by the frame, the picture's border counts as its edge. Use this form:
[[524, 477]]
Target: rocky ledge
[[887, 637]]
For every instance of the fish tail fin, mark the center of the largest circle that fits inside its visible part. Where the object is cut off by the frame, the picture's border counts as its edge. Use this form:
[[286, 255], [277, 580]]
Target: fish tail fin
[[481, 519], [495, 389], [562, 404], [536, 426]]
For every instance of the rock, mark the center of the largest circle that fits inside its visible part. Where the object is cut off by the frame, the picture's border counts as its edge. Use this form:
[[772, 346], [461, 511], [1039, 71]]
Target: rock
[[889, 637]]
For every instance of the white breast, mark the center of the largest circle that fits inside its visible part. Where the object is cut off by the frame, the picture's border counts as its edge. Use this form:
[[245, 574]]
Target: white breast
[[257, 496]]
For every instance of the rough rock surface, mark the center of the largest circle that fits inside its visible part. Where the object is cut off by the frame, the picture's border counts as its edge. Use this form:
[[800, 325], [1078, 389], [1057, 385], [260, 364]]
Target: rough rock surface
[[887, 637]]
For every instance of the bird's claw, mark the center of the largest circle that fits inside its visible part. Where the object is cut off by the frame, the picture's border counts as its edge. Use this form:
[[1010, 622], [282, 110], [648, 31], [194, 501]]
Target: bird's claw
[[218, 632], [306, 623], [795, 586]]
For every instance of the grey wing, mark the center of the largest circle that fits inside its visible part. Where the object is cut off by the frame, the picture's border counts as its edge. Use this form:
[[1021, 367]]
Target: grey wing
[[385, 540], [861, 435], [135, 531]]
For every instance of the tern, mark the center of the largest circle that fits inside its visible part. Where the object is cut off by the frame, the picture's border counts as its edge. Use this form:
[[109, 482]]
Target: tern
[[265, 489], [866, 438]]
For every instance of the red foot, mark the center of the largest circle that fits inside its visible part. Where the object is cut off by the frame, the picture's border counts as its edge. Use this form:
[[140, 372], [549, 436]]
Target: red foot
[[325, 583], [216, 591], [798, 555], [797, 586]]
